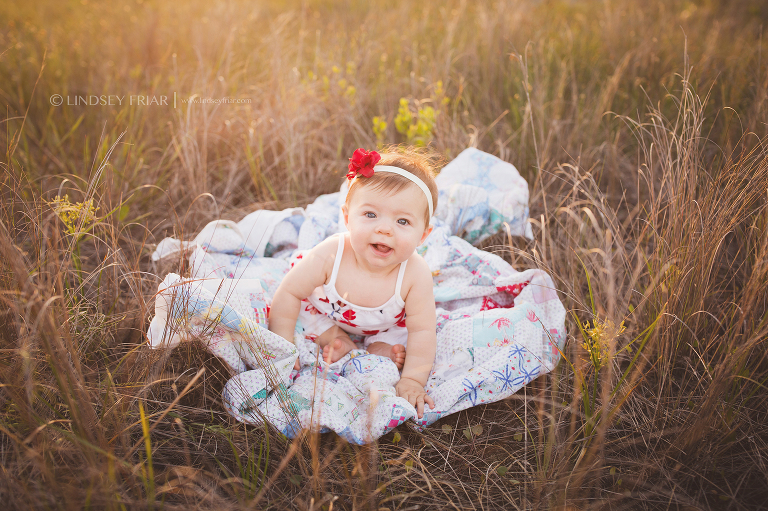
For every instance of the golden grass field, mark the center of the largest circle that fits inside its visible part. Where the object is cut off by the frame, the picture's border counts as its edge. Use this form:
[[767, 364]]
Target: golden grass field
[[640, 127]]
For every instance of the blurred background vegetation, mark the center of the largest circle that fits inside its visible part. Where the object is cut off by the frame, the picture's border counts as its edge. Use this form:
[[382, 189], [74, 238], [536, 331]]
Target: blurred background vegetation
[[639, 125]]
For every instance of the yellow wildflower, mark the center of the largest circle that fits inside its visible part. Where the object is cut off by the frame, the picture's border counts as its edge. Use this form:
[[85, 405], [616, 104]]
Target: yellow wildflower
[[350, 94], [379, 128], [404, 117], [74, 215], [598, 340]]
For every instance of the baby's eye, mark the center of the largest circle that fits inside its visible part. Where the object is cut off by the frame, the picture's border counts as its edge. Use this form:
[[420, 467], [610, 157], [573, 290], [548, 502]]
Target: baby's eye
[[403, 221], [370, 214]]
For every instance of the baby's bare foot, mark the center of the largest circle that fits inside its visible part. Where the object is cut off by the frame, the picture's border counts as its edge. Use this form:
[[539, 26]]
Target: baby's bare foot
[[398, 355], [337, 348], [396, 352]]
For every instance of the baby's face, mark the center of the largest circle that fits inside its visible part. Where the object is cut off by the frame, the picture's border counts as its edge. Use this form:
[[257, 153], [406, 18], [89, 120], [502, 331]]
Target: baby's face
[[385, 228]]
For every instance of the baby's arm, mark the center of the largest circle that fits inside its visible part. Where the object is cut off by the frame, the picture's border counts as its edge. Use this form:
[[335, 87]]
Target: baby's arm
[[422, 339], [308, 273]]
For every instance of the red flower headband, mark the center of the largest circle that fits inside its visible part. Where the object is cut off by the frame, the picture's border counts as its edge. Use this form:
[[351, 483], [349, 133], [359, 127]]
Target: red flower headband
[[362, 163]]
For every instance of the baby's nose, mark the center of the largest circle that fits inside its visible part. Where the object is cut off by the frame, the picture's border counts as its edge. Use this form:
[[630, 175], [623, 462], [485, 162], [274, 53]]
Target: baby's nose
[[385, 228]]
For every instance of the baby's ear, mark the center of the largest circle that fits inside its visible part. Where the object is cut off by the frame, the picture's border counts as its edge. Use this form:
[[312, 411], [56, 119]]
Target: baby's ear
[[427, 232], [345, 212]]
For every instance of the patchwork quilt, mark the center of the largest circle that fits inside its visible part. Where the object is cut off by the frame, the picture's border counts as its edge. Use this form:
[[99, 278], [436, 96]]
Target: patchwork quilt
[[497, 328]]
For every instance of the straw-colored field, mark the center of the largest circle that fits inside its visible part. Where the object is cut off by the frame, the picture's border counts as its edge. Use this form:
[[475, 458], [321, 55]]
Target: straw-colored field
[[640, 127]]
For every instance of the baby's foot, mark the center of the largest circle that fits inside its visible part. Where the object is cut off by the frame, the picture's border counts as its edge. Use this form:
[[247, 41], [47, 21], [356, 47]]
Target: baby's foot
[[396, 352], [337, 348]]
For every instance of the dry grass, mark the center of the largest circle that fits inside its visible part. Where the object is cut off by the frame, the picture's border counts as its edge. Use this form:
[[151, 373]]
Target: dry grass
[[639, 125]]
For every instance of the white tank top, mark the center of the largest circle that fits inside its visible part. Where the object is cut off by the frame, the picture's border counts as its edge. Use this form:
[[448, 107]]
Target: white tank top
[[356, 319]]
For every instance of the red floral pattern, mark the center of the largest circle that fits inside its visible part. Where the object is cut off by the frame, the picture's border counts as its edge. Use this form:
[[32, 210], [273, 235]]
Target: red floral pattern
[[514, 289], [348, 316], [489, 303], [400, 318], [300, 256]]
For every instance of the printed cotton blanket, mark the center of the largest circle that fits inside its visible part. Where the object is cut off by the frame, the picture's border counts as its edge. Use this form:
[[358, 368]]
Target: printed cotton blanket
[[497, 328]]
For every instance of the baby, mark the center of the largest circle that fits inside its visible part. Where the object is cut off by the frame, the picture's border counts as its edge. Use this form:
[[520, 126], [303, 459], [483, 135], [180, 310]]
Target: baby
[[370, 281]]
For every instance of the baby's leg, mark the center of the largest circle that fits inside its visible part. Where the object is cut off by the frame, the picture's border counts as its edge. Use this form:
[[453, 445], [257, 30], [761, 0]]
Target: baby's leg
[[394, 351], [335, 343]]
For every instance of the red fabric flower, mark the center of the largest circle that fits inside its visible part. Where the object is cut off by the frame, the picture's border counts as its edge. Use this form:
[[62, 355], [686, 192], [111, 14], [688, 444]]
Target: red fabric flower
[[349, 315], [370, 332], [362, 163]]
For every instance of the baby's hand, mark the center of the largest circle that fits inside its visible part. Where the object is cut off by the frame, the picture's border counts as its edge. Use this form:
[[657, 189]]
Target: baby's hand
[[413, 391]]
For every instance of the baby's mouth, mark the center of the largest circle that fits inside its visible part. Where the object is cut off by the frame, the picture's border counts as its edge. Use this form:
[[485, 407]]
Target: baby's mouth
[[382, 249]]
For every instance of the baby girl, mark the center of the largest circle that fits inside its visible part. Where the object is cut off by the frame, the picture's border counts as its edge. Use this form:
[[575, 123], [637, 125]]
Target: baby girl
[[370, 281]]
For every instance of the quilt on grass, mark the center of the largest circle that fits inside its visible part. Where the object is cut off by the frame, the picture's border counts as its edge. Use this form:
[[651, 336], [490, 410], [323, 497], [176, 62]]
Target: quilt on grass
[[497, 328]]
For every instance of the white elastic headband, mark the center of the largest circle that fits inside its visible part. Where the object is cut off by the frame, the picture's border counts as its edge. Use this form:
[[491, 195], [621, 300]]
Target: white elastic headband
[[418, 182]]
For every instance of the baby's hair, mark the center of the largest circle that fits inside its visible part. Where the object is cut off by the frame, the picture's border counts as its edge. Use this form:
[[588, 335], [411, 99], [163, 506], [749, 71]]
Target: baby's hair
[[421, 162]]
